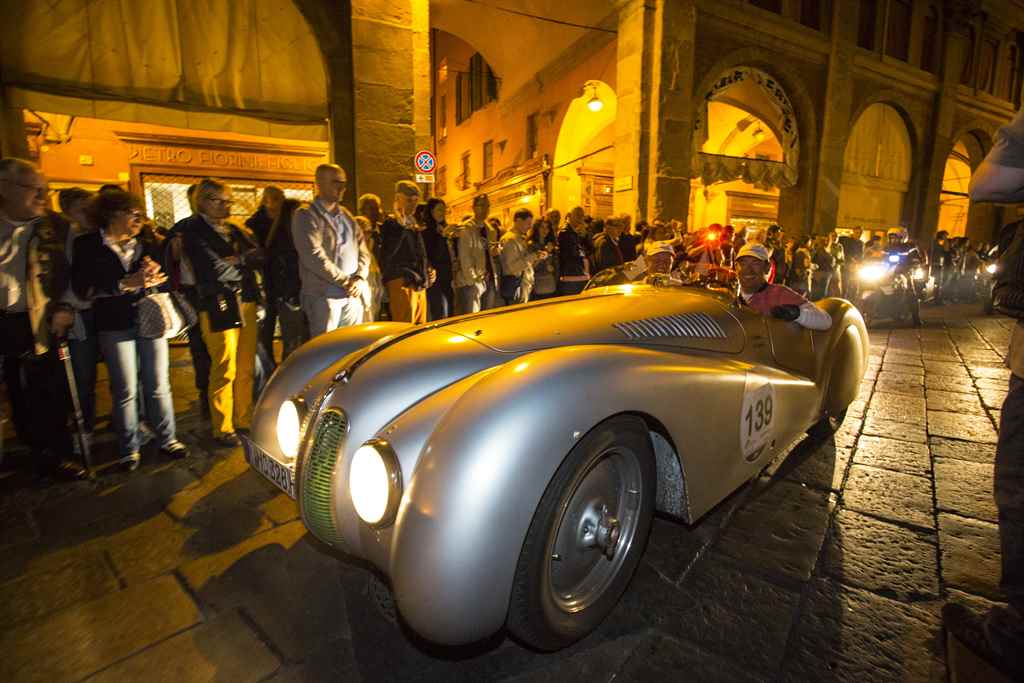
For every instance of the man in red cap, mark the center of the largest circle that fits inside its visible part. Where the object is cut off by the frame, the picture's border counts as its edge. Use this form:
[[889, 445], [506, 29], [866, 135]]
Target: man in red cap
[[778, 301]]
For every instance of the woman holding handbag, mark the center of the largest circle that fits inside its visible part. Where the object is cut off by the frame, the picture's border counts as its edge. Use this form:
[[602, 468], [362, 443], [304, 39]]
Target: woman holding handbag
[[113, 268]]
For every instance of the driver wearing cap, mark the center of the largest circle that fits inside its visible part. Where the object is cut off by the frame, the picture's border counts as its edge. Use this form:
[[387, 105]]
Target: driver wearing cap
[[778, 301]]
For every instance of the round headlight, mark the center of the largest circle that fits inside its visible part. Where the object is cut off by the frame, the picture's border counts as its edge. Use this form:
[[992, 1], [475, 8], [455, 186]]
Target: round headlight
[[919, 273], [991, 269], [289, 429], [872, 272], [375, 483]]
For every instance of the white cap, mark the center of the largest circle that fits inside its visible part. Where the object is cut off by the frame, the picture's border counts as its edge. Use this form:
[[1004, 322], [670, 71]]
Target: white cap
[[754, 249]]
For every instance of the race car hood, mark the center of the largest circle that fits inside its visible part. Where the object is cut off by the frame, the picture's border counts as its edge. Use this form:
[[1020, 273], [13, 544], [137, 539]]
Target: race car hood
[[672, 316]]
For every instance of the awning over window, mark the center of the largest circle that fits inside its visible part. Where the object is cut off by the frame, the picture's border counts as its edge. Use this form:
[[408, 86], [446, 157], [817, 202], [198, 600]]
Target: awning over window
[[137, 60]]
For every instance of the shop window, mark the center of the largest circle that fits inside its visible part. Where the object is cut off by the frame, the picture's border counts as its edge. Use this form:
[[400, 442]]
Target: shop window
[[488, 163], [987, 65], [867, 18], [441, 181], [930, 41], [463, 180], [531, 136], [770, 5], [897, 32], [810, 13]]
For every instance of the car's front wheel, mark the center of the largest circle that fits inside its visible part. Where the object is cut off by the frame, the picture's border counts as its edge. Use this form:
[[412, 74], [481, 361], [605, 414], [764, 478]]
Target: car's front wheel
[[587, 536]]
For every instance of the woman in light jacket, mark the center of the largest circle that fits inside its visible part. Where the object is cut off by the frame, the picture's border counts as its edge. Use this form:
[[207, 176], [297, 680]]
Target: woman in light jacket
[[112, 267]]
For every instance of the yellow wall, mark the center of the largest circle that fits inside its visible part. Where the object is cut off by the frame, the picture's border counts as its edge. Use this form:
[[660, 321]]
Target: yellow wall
[[505, 120]]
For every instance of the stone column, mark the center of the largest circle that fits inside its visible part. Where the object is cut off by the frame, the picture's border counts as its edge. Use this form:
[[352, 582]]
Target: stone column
[[836, 123], [389, 57], [671, 109], [654, 122], [940, 141], [631, 120]]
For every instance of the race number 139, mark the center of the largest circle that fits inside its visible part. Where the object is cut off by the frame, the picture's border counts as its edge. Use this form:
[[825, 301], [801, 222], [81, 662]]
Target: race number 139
[[756, 419]]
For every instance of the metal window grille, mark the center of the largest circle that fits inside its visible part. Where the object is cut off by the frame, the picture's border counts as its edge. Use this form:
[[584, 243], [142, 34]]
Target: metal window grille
[[166, 196]]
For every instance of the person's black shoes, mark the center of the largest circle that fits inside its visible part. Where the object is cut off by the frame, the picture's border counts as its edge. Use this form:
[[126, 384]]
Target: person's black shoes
[[227, 440], [969, 629]]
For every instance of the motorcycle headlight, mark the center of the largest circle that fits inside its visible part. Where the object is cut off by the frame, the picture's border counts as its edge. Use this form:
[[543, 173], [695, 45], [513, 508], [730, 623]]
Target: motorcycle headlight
[[991, 269], [873, 272], [375, 483], [289, 428], [919, 274]]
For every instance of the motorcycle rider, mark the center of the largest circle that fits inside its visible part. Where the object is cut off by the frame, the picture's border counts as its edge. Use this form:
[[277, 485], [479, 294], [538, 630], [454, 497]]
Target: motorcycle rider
[[910, 260]]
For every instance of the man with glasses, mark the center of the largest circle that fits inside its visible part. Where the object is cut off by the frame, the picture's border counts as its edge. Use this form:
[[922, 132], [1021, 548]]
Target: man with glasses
[[334, 259], [224, 259], [33, 278]]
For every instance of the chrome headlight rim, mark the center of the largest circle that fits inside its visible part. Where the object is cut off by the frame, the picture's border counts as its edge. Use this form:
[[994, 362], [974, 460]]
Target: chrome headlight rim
[[383, 449], [291, 450]]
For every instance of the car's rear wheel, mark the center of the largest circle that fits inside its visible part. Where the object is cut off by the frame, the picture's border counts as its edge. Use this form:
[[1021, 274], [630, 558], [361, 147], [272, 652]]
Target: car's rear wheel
[[587, 536], [827, 426]]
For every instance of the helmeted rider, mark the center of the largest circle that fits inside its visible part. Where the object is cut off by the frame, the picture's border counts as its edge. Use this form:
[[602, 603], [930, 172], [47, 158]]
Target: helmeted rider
[[898, 242]]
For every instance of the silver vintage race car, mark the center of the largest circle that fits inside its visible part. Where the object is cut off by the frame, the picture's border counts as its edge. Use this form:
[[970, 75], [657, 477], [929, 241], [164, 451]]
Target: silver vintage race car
[[503, 468]]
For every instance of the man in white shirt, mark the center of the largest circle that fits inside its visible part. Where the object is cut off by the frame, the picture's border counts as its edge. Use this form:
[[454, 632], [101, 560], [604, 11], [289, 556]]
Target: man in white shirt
[[334, 260]]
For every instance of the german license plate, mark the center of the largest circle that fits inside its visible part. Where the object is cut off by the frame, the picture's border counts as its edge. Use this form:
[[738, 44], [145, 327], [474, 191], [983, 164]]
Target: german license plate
[[282, 477]]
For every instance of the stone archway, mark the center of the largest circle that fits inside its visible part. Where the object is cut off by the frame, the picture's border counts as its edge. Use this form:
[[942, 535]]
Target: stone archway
[[878, 169], [745, 150], [958, 216], [795, 201], [582, 170]]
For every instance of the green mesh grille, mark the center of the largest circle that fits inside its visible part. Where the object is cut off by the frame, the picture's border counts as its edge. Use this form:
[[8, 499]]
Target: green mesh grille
[[317, 475]]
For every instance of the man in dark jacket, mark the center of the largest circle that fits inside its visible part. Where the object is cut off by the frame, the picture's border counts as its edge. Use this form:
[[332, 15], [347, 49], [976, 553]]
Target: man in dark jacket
[[260, 225], [574, 267], [405, 269], [607, 249]]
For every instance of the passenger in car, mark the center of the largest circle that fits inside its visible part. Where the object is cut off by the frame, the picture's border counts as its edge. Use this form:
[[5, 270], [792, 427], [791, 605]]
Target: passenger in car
[[778, 301]]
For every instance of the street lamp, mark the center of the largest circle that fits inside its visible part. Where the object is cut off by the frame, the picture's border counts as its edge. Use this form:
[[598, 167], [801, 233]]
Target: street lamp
[[595, 103]]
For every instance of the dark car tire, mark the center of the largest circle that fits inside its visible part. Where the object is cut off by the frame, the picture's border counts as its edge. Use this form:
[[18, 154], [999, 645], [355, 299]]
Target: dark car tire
[[542, 614], [828, 425]]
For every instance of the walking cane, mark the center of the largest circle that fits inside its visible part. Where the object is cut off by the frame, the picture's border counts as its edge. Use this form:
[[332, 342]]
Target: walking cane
[[64, 354]]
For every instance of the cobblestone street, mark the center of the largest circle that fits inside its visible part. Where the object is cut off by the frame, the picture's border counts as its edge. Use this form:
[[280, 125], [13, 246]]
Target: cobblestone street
[[834, 564]]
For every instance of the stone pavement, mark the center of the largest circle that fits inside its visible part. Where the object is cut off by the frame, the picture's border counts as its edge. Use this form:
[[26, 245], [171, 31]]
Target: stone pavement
[[832, 565]]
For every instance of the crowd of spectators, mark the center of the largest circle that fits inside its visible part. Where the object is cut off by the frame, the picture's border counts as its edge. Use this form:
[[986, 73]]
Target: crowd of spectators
[[294, 270]]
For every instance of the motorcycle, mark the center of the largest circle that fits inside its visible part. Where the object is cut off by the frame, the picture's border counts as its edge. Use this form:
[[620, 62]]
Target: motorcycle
[[985, 283], [891, 287]]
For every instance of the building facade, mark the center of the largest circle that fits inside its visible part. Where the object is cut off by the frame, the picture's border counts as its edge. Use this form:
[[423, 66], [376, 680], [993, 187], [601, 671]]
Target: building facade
[[814, 113]]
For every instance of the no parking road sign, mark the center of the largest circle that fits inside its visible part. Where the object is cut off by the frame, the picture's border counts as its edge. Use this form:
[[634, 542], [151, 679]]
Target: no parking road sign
[[425, 161]]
